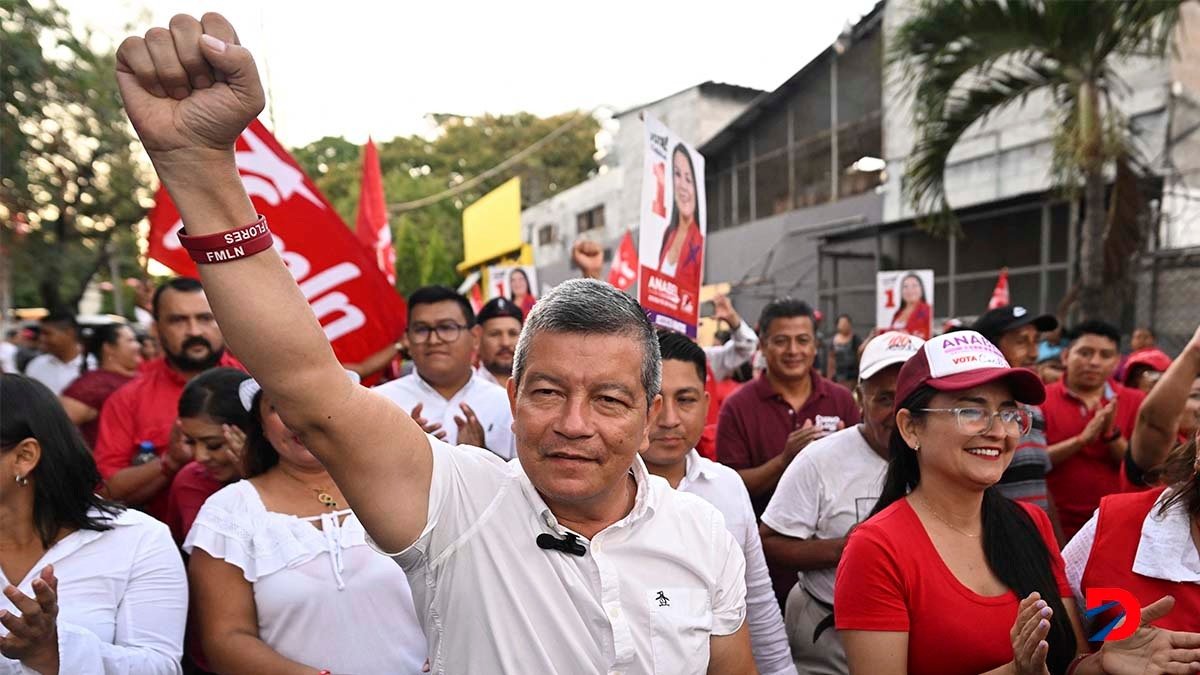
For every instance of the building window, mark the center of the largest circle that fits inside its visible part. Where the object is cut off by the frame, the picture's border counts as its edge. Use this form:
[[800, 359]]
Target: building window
[[546, 235], [592, 219]]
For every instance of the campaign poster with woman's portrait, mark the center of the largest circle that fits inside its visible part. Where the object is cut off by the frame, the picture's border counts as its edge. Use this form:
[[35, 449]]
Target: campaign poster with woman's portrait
[[673, 227], [517, 283], [905, 302]]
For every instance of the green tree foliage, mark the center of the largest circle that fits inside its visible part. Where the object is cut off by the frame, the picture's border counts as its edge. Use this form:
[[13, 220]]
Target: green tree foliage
[[72, 188], [429, 239], [963, 60]]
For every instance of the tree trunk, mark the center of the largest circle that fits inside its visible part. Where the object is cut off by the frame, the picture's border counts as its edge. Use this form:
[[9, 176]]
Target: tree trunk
[[1091, 249]]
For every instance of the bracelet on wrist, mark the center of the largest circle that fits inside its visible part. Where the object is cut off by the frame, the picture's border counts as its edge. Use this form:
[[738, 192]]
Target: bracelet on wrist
[[240, 242]]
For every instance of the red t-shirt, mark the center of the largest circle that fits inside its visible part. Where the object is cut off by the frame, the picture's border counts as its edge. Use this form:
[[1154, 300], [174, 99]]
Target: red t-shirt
[[891, 578], [145, 410], [92, 389], [192, 486], [1080, 481]]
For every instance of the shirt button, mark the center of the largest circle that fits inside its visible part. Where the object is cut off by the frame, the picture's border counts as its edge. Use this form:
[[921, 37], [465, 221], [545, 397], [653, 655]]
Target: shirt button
[[614, 613]]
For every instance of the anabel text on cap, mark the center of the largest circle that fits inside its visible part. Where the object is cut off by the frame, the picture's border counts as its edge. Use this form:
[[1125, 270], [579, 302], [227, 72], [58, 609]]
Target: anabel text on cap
[[962, 360]]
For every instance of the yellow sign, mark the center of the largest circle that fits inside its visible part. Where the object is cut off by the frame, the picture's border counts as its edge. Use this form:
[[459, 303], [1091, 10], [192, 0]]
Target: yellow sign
[[492, 226]]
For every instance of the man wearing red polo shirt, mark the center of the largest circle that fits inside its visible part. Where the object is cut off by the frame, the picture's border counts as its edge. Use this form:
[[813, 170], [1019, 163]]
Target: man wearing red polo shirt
[[1089, 419], [143, 412], [766, 423]]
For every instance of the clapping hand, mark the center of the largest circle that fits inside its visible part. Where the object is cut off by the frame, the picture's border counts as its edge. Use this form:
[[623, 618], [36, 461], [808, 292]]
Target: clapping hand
[[33, 636]]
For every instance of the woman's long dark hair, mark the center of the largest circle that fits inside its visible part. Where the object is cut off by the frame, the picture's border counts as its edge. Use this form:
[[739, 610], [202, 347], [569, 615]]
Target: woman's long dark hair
[[260, 454], [1181, 470], [65, 479], [94, 337], [214, 394], [528, 286], [1012, 545], [674, 223], [902, 303]]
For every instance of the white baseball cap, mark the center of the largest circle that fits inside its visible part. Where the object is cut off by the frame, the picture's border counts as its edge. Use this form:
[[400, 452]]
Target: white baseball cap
[[887, 349]]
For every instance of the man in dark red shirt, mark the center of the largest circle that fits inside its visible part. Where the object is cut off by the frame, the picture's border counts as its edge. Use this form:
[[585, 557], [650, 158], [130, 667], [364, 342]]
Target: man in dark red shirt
[[1089, 419], [767, 422], [144, 411]]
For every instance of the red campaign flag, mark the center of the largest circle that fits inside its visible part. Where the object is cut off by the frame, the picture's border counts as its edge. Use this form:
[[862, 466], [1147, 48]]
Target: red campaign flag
[[623, 272], [371, 224], [1000, 295], [359, 310]]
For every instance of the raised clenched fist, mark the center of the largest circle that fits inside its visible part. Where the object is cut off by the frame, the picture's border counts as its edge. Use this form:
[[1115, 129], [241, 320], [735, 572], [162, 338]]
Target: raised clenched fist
[[190, 89]]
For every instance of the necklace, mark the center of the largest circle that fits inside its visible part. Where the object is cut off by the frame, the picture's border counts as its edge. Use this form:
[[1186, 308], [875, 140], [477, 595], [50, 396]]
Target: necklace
[[943, 520], [324, 495]]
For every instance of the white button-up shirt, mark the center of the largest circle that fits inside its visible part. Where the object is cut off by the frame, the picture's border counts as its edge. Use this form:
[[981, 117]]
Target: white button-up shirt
[[487, 399], [645, 598], [722, 487], [122, 599]]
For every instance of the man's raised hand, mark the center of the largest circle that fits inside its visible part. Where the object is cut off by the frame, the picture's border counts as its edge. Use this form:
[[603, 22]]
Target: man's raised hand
[[189, 90]]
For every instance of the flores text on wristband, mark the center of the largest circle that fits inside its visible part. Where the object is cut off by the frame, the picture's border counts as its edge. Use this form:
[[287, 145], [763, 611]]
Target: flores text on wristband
[[229, 245]]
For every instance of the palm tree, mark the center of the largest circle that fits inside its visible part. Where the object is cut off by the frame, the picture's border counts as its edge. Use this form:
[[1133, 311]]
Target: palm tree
[[963, 60]]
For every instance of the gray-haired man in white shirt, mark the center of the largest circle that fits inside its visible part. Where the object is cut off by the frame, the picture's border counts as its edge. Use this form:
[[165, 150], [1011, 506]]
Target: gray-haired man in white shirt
[[569, 560]]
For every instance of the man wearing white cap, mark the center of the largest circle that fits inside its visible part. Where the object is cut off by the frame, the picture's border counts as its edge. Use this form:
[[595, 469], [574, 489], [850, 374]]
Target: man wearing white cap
[[830, 488]]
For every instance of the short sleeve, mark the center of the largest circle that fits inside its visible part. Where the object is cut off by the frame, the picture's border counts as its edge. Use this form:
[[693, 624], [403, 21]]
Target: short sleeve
[[85, 390], [1076, 555], [795, 506], [114, 441], [731, 440], [729, 598], [870, 592], [464, 483], [1042, 521]]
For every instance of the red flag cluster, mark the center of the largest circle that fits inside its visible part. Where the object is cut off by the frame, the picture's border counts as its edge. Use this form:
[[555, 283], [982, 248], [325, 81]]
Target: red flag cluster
[[623, 272], [356, 304]]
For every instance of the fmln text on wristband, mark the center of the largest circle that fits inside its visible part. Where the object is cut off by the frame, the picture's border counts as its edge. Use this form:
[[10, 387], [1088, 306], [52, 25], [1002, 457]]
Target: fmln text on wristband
[[240, 242]]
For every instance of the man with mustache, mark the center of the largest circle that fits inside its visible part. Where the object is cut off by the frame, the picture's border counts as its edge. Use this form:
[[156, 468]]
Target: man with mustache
[[142, 413], [1089, 419], [444, 393], [500, 325], [571, 560]]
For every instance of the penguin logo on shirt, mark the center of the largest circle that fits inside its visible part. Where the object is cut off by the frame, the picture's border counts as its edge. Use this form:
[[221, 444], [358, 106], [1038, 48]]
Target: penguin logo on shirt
[[663, 600]]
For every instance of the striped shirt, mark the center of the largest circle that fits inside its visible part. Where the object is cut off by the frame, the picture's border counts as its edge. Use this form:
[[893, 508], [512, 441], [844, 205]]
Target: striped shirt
[[1025, 478]]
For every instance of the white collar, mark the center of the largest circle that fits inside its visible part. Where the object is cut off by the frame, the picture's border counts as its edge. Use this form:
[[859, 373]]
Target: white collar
[[428, 388], [1166, 550], [644, 502], [696, 469]]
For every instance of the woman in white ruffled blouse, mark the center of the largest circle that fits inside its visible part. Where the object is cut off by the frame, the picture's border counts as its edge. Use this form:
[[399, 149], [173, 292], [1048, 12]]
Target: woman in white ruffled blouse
[[89, 586], [283, 579]]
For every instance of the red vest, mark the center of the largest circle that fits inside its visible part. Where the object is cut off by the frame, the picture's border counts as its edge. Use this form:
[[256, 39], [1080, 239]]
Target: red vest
[[1110, 562]]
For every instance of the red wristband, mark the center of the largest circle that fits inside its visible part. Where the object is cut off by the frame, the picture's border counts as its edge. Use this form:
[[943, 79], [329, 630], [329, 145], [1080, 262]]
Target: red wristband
[[239, 242]]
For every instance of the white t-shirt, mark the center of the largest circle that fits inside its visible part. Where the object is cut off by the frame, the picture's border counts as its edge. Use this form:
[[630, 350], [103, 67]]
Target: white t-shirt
[[323, 597], [646, 596], [122, 599], [722, 487], [55, 374], [487, 399], [831, 486]]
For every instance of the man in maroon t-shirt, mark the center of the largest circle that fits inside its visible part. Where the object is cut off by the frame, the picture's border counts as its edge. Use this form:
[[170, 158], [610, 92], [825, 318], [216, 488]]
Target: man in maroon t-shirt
[[1089, 419], [771, 419], [144, 411]]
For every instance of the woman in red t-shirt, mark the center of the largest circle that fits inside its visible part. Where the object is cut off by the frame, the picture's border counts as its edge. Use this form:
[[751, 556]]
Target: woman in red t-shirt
[[948, 576], [212, 422], [114, 349]]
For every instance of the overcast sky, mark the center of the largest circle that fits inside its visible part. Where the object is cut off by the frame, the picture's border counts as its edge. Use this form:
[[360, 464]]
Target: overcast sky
[[357, 67]]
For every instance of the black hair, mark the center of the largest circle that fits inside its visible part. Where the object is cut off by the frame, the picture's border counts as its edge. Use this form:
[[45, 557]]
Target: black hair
[[1095, 327], [679, 347], [1181, 470], [844, 316], [902, 305], [1012, 545], [214, 394], [94, 337], [428, 295], [181, 284], [528, 286], [260, 454], [65, 479], [783, 308], [61, 319], [673, 225]]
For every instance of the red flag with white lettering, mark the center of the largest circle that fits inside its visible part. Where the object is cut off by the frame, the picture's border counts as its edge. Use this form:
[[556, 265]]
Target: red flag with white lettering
[[360, 311], [623, 271], [1000, 293], [371, 225]]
